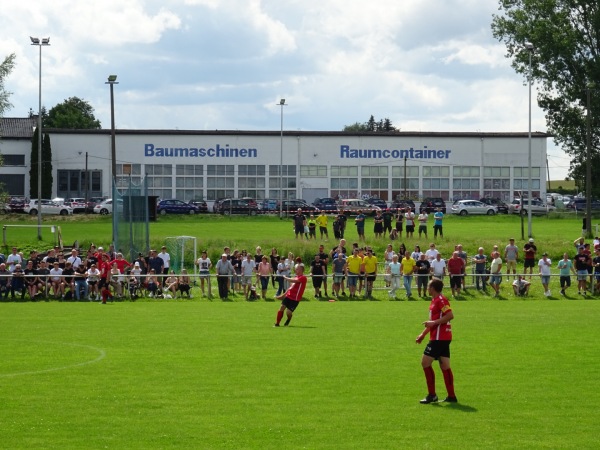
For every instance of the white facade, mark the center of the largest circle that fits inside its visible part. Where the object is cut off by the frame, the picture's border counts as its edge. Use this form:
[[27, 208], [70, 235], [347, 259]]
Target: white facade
[[211, 165]]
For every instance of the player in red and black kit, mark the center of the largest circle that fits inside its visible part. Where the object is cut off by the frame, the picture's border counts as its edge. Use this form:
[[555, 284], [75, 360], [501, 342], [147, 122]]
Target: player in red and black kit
[[293, 295], [440, 336]]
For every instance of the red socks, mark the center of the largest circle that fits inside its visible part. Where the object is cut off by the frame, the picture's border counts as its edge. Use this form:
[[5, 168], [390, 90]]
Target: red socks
[[279, 317], [449, 380], [430, 378]]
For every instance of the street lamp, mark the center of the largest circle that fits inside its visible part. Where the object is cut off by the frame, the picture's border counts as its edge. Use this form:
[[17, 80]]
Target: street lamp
[[40, 43], [282, 104], [530, 49], [112, 80]]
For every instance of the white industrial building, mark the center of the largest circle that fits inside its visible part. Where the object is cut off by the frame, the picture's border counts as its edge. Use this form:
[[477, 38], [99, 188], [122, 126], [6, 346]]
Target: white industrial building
[[215, 164]]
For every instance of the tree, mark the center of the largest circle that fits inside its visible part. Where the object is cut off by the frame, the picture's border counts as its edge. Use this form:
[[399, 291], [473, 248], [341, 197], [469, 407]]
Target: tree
[[73, 113], [6, 68], [565, 60], [371, 126]]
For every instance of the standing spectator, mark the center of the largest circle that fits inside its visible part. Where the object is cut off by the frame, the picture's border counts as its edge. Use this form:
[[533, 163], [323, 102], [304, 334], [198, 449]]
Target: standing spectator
[[581, 266], [291, 298], [438, 218], [204, 266], [455, 269], [155, 262], [423, 223], [407, 270], [511, 254], [387, 221], [410, 223], [370, 268], [431, 253], [463, 255], [596, 264], [495, 273], [359, 221], [248, 271], [236, 262], [141, 262], [565, 267], [544, 265], [423, 270], [440, 336], [438, 267], [13, 259], [166, 259], [341, 217], [480, 261], [399, 222], [274, 261], [43, 274], [388, 256], [224, 271], [322, 222], [325, 258], [80, 278], [281, 270], [312, 227], [115, 278], [299, 223], [318, 269], [352, 271], [530, 250], [5, 279], [264, 273], [394, 269], [378, 225], [339, 263]]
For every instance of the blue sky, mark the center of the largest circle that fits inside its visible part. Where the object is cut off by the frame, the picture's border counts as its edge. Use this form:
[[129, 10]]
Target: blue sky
[[224, 64]]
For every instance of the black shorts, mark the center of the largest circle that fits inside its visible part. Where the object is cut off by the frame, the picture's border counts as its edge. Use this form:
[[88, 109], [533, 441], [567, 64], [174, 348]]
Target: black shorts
[[565, 281], [455, 281], [317, 281], [289, 304], [437, 349], [371, 276], [398, 226], [410, 228], [529, 263]]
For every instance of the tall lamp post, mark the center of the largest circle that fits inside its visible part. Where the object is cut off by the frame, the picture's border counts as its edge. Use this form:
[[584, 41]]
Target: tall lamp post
[[282, 104], [40, 43], [530, 49], [112, 80]]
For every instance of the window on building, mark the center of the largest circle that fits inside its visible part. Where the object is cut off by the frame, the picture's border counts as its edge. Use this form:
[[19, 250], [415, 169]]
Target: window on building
[[72, 183], [282, 181], [466, 182], [436, 181], [374, 181], [251, 181], [13, 160], [159, 179], [496, 182], [313, 171], [220, 181], [189, 182], [13, 184], [344, 182], [402, 189]]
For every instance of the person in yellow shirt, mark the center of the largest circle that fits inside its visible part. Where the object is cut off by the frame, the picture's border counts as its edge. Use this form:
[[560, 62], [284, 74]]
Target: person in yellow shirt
[[352, 271], [407, 268], [370, 269], [322, 221]]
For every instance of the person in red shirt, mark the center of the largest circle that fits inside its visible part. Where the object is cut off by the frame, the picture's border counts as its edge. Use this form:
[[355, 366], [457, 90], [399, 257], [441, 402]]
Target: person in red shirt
[[293, 295], [440, 336], [455, 268]]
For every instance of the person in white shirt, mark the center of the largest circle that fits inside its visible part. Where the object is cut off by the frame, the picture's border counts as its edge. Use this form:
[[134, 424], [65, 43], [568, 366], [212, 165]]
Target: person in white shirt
[[58, 286], [545, 264], [423, 223], [93, 277], [166, 259], [410, 223], [432, 252], [248, 271], [204, 266], [13, 259], [393, 270], [74, 259], [438, 266]]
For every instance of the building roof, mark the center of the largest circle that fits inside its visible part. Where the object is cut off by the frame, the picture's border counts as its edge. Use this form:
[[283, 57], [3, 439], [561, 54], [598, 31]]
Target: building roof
[[17, 127]]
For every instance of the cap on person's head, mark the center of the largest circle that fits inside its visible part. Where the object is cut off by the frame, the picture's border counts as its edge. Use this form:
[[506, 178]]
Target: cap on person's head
[[511, 239], [530, 239], [137, 264], [545, 254], [100, 248], [480, 248], [224, 254]]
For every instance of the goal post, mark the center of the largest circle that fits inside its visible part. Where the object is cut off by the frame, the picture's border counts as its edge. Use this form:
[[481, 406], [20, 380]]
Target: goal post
[[183, 252]]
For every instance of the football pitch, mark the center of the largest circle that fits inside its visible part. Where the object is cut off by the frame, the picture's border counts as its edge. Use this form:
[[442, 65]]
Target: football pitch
[[343, 375]]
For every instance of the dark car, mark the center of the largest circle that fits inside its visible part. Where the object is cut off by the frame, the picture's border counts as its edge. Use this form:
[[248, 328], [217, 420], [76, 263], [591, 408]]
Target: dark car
[[403, 204], [174, 206], [431, 204], [236, 206], [17, 204], [200, 204], [216, 204], [499, 204], [580, 204], [377, 202], [326, 204], [93, 201], [291, 206]]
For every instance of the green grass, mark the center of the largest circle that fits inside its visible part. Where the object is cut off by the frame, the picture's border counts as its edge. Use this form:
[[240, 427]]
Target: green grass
[[211, 375]]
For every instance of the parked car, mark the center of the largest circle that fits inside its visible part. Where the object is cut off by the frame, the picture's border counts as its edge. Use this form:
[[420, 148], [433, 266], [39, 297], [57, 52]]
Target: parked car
[[250, 201], [499, 204], [4, 208], [326, 204], [292, 205], [403, 204], [268, 205], [47, 207], [17, 204], [106, 206], [580, 204], [174, 206], [77, 204], [236, 206], [351, 206], [200, 204], [467, 207], [377, 202], [93, 201], [537, 207], [216, 204], [431, 204]]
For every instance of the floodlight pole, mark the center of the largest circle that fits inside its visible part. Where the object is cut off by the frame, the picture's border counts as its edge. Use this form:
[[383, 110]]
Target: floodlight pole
[[40, 43], [112, 80], [530, 49]]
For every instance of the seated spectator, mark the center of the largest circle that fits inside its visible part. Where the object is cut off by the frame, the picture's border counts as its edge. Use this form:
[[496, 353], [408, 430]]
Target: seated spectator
[[171, 284], [17, 283], [184, 284], [5, 278], [56, 281], [115, 280], [521, 286], [68, 274], [152, 283]]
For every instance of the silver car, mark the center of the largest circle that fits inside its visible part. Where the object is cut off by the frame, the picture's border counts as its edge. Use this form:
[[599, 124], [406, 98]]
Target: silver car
[[466, 207]]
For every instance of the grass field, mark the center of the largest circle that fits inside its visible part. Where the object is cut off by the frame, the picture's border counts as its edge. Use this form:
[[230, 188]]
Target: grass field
[[345, 375]]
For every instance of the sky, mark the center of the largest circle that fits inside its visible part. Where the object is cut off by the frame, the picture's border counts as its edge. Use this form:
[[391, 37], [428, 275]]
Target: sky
[[427, 65]]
